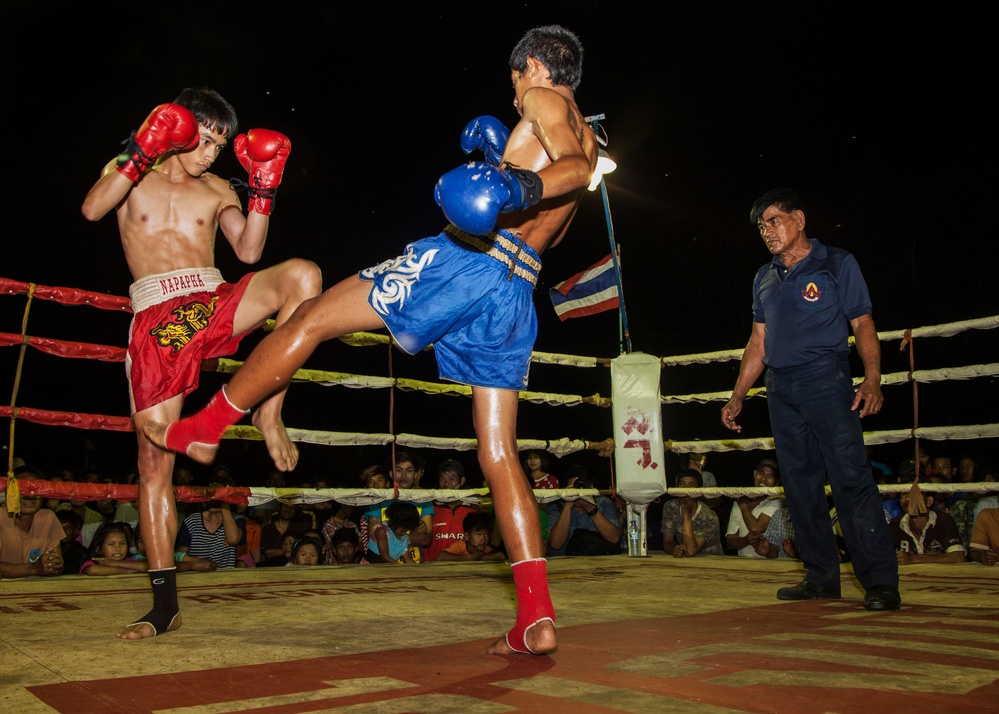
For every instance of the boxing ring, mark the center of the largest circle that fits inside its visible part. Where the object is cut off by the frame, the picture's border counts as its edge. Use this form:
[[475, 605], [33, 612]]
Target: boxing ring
[[654, 633], [28, 299]]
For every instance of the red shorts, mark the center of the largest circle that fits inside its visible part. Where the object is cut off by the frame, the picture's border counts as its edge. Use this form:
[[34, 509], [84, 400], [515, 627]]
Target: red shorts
[[181, 318]]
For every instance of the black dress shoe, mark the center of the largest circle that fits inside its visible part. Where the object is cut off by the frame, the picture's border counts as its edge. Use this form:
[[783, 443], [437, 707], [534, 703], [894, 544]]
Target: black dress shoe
[[882, 597], [806, 591]]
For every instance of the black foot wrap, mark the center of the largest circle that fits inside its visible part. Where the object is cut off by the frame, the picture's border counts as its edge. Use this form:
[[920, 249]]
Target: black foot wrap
[[165, 610], [160, 621]]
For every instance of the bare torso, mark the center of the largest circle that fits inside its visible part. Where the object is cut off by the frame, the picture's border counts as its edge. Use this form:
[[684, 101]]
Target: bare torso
[[169, 220], [544, 225]]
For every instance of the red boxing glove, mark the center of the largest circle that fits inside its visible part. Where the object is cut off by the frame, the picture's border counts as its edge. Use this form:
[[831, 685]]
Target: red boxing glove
[[263, 153], [168, 127]]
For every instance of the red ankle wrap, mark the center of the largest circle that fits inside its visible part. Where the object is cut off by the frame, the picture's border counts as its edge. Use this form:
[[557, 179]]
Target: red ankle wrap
[[206, 427], [534, 603]]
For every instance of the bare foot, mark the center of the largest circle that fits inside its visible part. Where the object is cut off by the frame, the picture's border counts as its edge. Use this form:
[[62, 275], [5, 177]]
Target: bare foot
[[142, 630], [540, 639], [199, 451], [282, 449]]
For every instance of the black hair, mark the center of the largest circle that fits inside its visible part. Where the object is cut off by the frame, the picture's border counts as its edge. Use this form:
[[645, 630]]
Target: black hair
[[785, 199], [105, 529], [557, 48], [307, 540], [543, 455], [402, 514], [581, 473], [210, 109], [345, 535], [690, 473], [415, 459], [374, 470], [477, 521], [66, 514]]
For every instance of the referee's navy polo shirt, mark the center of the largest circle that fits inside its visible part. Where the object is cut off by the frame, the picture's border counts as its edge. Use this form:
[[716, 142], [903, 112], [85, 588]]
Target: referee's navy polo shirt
[[807, 309]]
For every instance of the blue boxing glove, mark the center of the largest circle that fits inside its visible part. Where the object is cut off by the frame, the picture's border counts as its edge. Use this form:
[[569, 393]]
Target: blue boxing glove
[[488, 135], [473, 195]]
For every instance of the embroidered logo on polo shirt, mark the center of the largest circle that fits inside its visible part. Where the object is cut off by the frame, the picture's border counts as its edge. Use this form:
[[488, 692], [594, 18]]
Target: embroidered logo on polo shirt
[[811, 293]]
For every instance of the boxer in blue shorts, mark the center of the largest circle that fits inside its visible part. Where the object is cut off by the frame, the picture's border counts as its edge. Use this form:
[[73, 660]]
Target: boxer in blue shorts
[[468, 291]]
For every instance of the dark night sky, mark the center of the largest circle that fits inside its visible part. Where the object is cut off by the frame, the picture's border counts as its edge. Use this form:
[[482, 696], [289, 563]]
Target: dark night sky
[[879, 119]]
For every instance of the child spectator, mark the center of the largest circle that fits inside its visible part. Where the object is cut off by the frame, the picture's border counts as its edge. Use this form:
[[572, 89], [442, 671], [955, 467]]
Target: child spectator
[[536, 467], [110, 552], [391, 537], [475, 546], [345, 548], [305, 551], [449, 516], [74, 553]]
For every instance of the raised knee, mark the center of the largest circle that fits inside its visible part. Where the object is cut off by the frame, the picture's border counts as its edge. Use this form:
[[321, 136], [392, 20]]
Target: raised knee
[[306, 275]]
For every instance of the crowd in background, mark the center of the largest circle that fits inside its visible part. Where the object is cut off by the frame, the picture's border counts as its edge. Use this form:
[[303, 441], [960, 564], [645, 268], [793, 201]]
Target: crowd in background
[[51, 536]]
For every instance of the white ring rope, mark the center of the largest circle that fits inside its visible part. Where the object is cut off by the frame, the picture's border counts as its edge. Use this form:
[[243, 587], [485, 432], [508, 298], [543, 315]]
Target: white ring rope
[[559, 447]]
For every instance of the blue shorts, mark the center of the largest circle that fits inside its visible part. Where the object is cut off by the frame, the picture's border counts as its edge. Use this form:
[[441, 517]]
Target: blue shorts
[[471, 297]]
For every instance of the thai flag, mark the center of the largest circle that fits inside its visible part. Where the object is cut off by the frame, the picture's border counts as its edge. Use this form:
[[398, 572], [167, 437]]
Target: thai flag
[[592, 291]]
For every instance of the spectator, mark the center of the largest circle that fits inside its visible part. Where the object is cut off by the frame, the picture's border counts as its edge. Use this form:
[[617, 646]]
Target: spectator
[[751, 514], [985, 537], [307, 550], [345, 545], [536, 465], [323, 510], [777, 541], [215, 532], [265, 511], [288, 520], [51, 502], [284, 557], [478, 528], [374, 477], [923, 534], [74, 554], [585, 525], [248, 552], [407, 474], [715, 503], [943, 469], [30, 541], [183, 478], [110, 553], [965, 507], [92, 518], [449, 516], [401, 517], [689, 526], [341, 519]]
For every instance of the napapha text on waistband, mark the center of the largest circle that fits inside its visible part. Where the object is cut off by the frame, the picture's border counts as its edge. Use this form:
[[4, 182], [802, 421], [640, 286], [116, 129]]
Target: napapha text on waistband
[[512, 253], [154, 289]]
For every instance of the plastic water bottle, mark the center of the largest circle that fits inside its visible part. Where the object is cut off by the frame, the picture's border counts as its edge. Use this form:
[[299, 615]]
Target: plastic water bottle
[[634, 547]]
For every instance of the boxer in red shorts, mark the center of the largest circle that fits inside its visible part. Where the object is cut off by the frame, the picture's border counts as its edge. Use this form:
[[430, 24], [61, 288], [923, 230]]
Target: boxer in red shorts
[[169, 209]]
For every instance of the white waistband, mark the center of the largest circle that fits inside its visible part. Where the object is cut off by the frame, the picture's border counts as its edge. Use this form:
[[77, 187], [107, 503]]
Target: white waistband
[[154, 289]]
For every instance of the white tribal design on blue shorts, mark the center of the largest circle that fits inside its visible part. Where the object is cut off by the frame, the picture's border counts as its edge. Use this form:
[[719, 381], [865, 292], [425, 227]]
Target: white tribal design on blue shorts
[[471, 299]]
